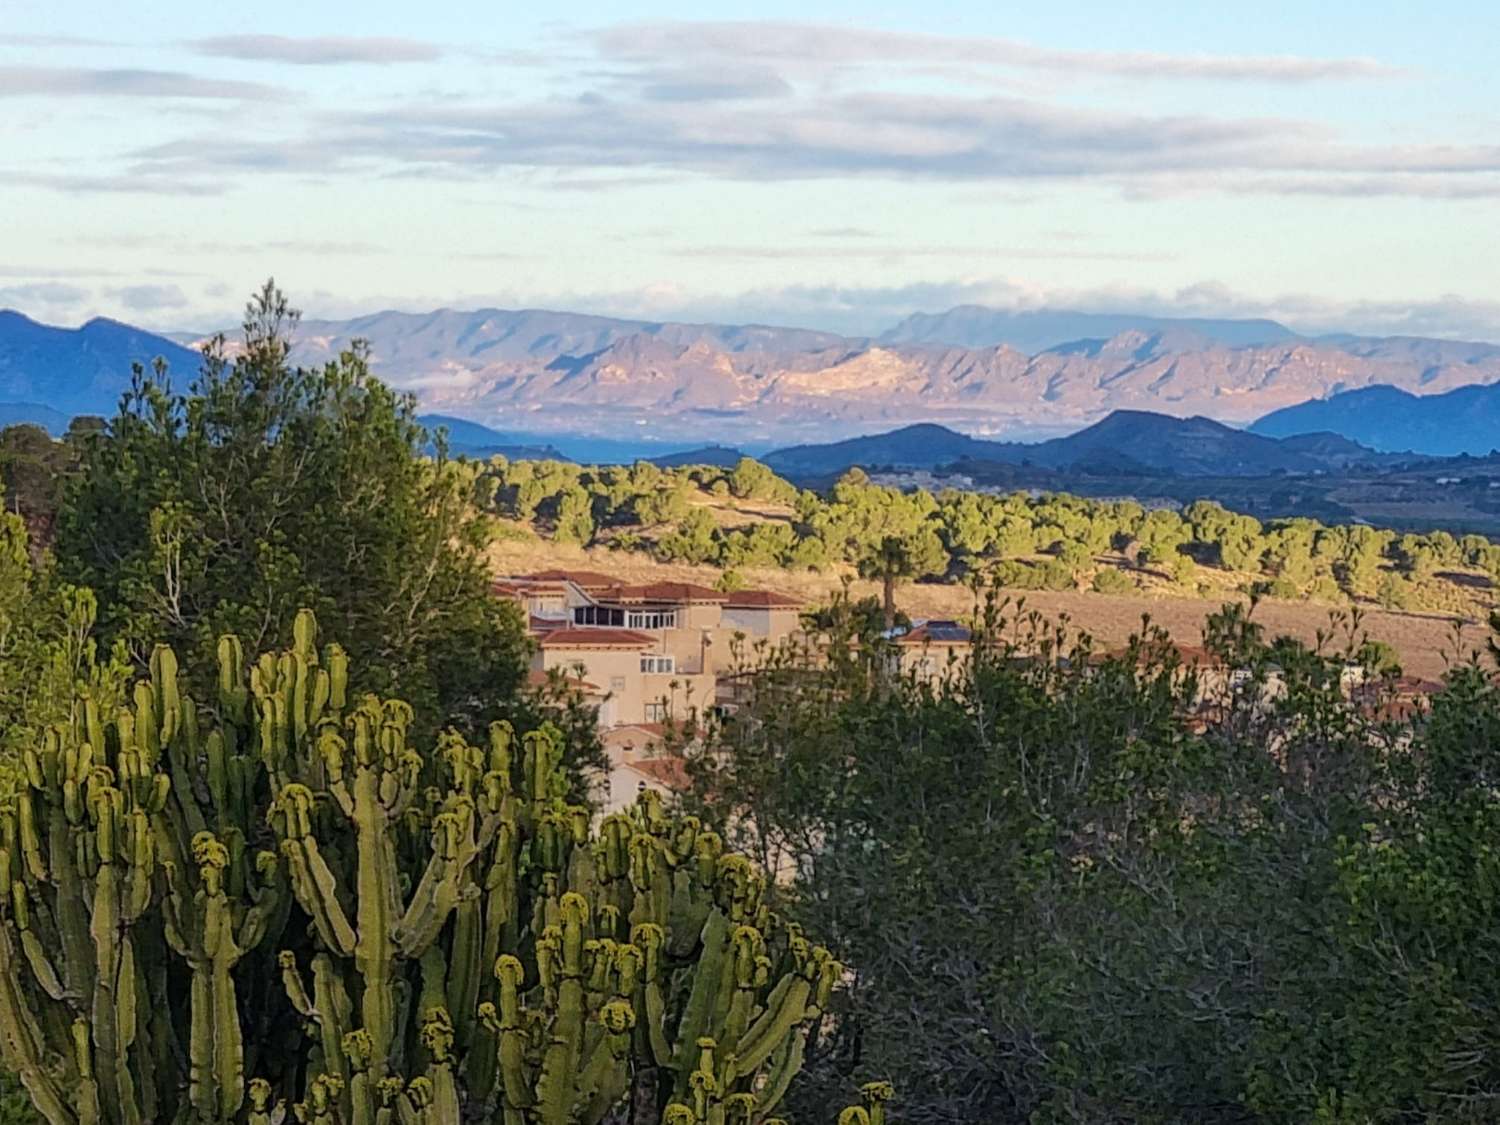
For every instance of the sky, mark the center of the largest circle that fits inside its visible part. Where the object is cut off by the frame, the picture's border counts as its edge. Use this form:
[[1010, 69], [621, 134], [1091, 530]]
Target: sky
[[1334, 165]]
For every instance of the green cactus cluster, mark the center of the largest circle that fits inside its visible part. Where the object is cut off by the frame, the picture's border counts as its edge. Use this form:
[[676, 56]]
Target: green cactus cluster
[[279, 909]]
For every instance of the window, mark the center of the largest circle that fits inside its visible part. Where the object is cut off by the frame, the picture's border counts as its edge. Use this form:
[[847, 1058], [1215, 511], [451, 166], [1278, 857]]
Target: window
[[598, 615], [658, 664], [658, 712], [652, 619], [617, 683]]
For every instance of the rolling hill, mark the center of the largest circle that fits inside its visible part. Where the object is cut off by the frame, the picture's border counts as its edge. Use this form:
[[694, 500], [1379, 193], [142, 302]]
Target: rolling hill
[[1463, 420], [1127, 442]]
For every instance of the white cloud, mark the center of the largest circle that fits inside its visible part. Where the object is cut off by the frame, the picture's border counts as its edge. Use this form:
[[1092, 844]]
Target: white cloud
[[77, 81], [825, 45], [46, 297], [149, 298], [317, 50]]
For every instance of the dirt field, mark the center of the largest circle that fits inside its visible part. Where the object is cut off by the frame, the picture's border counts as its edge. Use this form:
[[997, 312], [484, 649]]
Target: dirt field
[[1425, 641]]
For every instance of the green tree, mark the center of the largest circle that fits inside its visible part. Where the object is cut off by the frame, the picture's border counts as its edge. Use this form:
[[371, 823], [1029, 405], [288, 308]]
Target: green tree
[[1394, 592], [1112, 581], [695, 539], [574, 518], [268, 487], [1062, 901], [750, 480], [895, 559]]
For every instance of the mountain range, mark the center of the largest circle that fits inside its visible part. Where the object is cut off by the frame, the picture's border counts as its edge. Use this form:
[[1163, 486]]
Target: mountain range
[[543, 374], [1463, 420], [977, 369]]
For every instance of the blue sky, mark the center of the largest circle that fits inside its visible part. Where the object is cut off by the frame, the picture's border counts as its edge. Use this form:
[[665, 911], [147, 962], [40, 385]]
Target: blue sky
[[1336, 165]]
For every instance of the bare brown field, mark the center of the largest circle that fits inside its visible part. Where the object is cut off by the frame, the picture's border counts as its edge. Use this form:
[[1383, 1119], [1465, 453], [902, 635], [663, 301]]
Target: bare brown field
[[1425, 641]]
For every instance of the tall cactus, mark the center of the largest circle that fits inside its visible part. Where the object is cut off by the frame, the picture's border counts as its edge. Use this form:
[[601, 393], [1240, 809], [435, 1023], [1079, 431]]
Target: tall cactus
[[283, 910]]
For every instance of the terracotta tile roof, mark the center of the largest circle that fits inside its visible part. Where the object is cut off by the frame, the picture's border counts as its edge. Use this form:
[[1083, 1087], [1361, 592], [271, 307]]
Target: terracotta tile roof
[[668, 771], [584, 579], [673, 593], [596, 638], [1187, 655], [762, 599], [614, 733]]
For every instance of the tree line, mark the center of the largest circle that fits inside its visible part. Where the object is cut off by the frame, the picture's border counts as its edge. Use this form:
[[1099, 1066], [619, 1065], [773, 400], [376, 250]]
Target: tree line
[[1026, 541]]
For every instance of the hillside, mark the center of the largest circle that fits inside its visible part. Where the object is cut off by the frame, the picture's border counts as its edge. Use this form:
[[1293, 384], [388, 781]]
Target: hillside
[[1463, 420], [923, 446], [78, 370]]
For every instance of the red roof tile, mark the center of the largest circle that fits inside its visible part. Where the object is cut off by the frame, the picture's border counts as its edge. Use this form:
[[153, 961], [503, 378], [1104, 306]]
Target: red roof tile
[[762, 599], [668, 771], [596, 638], [671, 593], [585, 579]]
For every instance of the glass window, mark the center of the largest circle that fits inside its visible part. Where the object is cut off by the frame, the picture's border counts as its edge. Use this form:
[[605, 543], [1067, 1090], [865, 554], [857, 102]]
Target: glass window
[[658, 664], [598, 615], [652, 619]]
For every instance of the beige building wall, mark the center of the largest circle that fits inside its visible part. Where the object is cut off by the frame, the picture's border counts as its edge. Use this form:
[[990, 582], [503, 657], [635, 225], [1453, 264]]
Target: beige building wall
[[615, 671], [773, 623]]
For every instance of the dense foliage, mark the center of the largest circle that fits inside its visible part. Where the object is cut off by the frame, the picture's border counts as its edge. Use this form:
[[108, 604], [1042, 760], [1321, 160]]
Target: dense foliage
[[1077, 889], [1026, 541], [268, 487], [218, 915]]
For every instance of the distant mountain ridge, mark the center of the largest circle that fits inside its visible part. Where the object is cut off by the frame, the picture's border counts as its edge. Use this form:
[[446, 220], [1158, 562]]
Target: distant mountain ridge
[[1463, 420], [663, 386], [765, 385], [1126, 442], [78, 370]]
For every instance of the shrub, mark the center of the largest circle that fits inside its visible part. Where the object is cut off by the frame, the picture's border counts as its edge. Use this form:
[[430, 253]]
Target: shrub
[[1112, 581]]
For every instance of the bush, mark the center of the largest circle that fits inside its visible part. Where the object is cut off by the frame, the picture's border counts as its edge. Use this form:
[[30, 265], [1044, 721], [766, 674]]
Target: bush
[[1112, 581], [1394, 592]]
